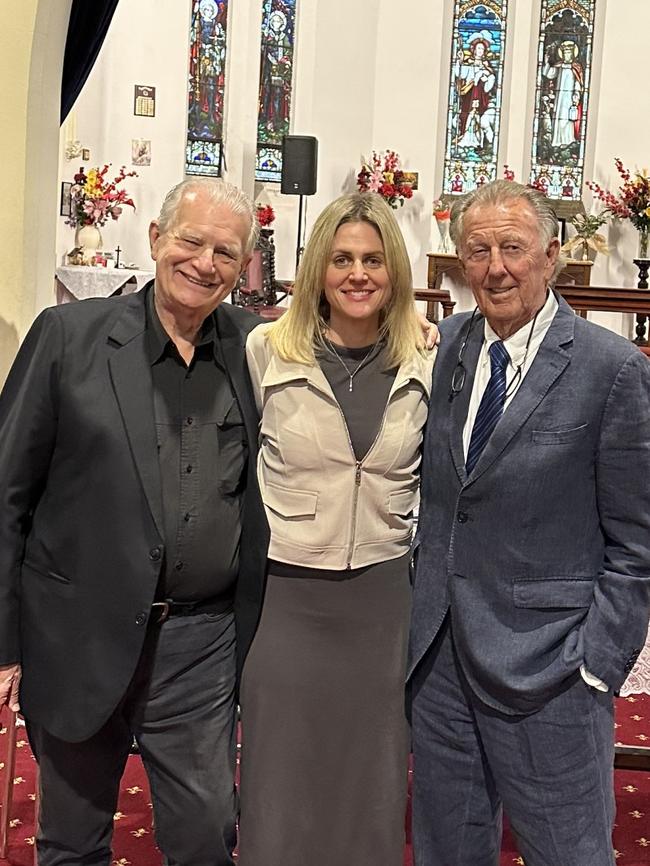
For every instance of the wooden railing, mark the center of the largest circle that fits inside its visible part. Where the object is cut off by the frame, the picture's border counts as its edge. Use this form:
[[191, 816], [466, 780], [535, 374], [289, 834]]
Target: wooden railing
[[609, 299]]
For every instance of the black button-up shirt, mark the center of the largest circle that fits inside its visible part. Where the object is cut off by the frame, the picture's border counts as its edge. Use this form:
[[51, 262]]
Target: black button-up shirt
[[202, 452]]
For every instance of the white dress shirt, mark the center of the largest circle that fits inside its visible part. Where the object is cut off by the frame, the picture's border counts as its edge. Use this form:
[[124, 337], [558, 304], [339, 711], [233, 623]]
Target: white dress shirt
[[532, 334], [516, 348]]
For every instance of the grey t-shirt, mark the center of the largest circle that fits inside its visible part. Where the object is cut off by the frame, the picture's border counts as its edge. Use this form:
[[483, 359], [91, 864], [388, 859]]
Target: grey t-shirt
[[362, 407]]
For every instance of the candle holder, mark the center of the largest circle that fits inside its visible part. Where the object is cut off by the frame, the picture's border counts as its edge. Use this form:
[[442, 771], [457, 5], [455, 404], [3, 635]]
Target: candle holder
[[643, 266]]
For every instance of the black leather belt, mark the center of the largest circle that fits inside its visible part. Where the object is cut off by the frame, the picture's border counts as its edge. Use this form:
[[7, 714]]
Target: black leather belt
[[162, 610]]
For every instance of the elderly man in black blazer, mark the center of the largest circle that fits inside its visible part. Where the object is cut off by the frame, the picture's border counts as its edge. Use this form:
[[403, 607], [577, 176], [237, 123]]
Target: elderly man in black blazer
[[132, 536], [532, 582]]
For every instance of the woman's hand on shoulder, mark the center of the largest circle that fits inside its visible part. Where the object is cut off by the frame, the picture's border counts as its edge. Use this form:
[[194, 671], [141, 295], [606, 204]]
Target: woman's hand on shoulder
[[429, 331]]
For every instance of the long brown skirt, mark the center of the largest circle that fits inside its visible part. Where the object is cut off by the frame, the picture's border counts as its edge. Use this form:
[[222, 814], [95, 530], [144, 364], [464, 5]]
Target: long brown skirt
[[324, 738]]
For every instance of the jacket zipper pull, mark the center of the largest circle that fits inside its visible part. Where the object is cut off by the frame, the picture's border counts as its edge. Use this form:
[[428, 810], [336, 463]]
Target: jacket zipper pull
[[357, 482]]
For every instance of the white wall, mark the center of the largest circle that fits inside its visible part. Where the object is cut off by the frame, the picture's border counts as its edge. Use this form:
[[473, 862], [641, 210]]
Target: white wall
[[146, 44], [368, 75], [620, 124], [32, 37]]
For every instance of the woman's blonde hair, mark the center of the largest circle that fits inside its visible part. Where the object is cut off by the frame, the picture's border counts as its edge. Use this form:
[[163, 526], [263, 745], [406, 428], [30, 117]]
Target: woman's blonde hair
[[294, 336]]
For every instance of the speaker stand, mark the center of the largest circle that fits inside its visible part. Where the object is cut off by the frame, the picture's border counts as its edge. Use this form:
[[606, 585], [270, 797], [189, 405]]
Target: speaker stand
[[299, 244]]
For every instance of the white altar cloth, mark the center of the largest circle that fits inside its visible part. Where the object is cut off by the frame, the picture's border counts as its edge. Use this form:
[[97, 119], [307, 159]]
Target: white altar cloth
[[74, 283]]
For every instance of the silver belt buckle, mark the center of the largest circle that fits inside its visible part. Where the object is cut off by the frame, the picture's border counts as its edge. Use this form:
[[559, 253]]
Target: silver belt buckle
[[164, 611]]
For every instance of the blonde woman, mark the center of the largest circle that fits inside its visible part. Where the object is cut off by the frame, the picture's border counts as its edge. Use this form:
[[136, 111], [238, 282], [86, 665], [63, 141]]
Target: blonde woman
[[342, 384]]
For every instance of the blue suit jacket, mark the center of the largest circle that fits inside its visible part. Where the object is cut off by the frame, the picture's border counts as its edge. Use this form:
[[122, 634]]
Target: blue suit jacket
[[542, 554]]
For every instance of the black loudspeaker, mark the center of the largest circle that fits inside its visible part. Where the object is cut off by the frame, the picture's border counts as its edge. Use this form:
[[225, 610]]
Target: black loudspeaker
[[299, 164]]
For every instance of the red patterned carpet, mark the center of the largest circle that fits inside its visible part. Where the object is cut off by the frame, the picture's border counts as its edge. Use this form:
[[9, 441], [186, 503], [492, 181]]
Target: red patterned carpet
[[134, 842]]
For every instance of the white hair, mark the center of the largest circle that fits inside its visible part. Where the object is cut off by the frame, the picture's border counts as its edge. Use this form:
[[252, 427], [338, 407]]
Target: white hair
[[500, 192], [220, 192]]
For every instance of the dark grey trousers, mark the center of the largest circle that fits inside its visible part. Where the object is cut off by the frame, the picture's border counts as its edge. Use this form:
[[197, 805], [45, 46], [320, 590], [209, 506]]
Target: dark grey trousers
[[180, 707], [552, 771]]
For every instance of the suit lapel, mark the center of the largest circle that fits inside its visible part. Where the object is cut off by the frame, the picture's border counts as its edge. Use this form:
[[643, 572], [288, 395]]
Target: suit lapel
[[130, 372], [551, 360], [460, 403]]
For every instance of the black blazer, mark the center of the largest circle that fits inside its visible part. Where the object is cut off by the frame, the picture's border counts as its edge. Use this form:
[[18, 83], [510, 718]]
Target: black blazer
[[81, 536]]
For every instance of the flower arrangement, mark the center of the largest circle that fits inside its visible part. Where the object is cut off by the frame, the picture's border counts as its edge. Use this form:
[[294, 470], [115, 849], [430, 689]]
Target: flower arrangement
[[382, 174], [632, 201], [441, 210], [93, 199], [265, 214], [586, 235]]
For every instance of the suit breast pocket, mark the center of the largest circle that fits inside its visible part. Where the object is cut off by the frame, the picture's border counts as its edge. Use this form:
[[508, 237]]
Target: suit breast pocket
[[559, 436], [233, 449]]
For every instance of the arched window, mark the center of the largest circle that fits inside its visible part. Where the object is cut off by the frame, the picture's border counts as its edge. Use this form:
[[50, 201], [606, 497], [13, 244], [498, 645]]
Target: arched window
[[474, 105], [208, 29], [561, 97], [276, 78]]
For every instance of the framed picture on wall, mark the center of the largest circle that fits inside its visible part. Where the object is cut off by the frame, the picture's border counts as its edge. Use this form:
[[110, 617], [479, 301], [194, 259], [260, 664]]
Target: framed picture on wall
[[65, 208], [141, 151], [411, 177]]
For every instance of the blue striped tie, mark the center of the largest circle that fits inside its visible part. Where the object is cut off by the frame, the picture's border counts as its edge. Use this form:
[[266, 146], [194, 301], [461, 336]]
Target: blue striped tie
[[491, 407]]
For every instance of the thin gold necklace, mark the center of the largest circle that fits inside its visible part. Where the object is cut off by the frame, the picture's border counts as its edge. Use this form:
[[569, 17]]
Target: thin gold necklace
[[353, 373]]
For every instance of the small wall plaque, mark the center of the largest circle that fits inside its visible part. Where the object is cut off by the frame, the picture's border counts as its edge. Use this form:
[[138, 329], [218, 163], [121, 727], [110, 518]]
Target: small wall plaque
[[144, 101]]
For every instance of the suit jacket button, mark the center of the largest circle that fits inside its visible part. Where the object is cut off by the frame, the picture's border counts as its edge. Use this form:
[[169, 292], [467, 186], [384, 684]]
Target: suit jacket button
[[155, 554], [462, 517], [141, 618]]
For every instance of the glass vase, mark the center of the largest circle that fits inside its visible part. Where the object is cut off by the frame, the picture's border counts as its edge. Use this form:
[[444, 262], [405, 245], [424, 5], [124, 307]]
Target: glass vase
[[644, 233], [445, 242]]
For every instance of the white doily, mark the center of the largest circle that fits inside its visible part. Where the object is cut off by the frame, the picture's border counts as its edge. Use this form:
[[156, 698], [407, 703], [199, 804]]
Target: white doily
[[81, 282], [639, 680]]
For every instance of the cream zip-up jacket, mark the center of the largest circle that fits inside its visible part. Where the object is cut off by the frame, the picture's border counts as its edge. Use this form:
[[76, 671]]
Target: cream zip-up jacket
[[325, 508]]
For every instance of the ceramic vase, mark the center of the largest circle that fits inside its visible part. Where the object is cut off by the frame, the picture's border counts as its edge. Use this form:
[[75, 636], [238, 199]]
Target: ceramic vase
[[90, 240]]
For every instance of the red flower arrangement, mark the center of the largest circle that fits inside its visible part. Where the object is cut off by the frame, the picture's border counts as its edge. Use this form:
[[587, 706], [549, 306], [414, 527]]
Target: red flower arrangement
[[265, 214], [633, 200], [93, 199], [382, 174]]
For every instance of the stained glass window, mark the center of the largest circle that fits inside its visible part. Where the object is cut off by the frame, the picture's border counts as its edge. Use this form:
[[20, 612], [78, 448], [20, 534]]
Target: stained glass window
[[276, 74], [206, 87], [562, 97], [474, 107]]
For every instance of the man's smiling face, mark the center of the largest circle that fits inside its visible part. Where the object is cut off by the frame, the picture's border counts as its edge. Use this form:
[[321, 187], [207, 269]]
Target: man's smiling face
[[506, 264], [200, 257]]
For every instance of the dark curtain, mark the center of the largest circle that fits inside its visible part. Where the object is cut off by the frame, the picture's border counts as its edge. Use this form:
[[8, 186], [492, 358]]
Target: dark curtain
[[88, 25]]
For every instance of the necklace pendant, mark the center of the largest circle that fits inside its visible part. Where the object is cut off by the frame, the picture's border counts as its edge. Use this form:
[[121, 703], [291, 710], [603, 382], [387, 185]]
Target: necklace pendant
[[350, 388]]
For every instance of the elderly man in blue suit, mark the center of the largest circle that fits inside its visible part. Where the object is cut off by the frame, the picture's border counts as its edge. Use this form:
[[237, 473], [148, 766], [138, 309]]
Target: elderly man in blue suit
[[532, 562]]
